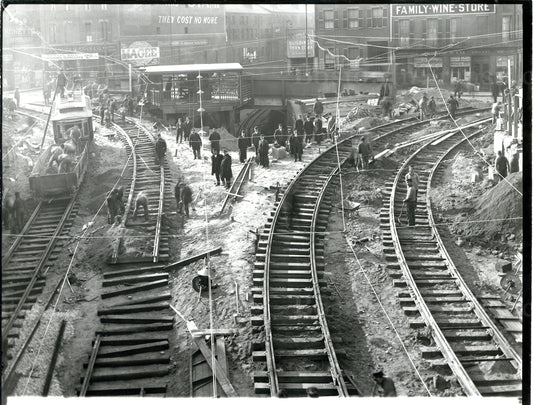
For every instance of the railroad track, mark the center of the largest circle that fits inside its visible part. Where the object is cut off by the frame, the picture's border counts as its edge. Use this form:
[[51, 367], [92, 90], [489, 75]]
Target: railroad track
[[288, 275], [236, 186], [148, 176], [131, 352], [32, 113], [25, 264], [468, 341]]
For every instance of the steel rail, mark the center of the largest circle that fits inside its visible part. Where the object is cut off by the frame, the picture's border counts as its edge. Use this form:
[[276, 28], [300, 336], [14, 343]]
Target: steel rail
[[448, 353], [335, 369], [503, 342], [16, 242], [239, 181], [155, 252], [269, 347], [90, 366], [41, 263]]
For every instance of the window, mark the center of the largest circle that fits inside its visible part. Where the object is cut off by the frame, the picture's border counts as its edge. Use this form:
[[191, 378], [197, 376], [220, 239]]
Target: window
[[377, 17], [104, 6], [158, 30], [404, 32], [329, 19], [53, 33], [87, 7], [329, 59], [432, 36], [453, 29], [353, 18], [186, 29], [88, 32], [104, 25], [506, 27]]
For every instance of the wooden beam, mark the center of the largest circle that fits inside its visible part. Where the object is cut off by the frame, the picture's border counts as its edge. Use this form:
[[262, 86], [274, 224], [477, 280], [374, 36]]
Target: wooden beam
[[216, 332], [222, 377], [192, 259]]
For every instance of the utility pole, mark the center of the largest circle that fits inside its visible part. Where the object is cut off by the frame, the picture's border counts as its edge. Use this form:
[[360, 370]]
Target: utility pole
[[306, 45]]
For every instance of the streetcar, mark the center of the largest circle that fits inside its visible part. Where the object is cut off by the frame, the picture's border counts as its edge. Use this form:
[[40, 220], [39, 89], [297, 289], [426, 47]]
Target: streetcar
[[61, 168]]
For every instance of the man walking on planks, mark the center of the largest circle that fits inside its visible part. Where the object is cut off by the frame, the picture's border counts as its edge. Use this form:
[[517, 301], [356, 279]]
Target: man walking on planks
[[410, 201], [413, 176], [365, 151]]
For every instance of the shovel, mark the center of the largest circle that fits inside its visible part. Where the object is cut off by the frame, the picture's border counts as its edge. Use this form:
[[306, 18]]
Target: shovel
[[399, 219]]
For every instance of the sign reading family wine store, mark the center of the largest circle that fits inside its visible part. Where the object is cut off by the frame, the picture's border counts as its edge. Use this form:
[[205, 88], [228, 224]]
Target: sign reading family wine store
[[400, 10]]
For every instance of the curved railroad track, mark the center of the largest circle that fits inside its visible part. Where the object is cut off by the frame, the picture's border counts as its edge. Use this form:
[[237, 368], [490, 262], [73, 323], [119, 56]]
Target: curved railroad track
[[131, 352], [481, 358], [154, 179], [25, 264], [287, 279]]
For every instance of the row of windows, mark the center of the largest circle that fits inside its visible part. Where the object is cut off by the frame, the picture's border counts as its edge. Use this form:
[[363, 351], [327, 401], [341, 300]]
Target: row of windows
[[249, 33], [243, 19], [70, 30], [354, 18], [68, 7]]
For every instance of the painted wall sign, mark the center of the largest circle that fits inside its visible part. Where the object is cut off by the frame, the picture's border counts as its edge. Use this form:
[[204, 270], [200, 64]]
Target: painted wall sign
[[209, 17], [69, 56], [296, 44], [422, 62], [140, 53], [402, 10]]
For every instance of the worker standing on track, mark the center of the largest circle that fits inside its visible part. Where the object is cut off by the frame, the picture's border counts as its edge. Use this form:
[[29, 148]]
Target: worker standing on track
[[160, 149], [410, 201], [242, 144], [413, 176], [195, 142], [279, 136], [216, 162], [432, 107], [365, 152], [112, 206], [141, 201], [19, 212], [385, 385], [453, 104], [225, 170], [423, 107]]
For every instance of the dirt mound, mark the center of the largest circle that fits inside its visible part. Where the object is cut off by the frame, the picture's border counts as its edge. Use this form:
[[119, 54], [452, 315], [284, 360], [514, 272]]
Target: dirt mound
[[493, 211]]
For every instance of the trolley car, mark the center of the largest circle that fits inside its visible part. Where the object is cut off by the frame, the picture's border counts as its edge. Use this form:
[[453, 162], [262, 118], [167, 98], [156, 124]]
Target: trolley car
[[70, 115]]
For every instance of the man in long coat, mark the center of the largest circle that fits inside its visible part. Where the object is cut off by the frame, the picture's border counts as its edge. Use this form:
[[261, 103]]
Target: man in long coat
[[225, 170], [216, 162], [296, 146], [263, 152]]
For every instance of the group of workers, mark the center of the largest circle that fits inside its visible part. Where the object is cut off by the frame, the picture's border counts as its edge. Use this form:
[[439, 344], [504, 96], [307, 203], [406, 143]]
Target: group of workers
[[63, 157]]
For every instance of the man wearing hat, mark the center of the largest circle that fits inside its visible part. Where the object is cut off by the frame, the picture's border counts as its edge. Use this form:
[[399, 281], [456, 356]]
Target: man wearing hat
[[384, 384]]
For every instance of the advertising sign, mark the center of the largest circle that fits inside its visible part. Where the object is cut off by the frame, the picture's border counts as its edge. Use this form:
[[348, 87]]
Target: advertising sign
[[69, 56], [459, 61], [140, 53], [501, 61], [296, 44], [422, 62], [403, 10], [204, 18]]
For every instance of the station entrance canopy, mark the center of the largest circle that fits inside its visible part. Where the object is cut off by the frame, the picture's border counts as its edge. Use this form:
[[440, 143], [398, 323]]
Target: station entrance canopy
[[202, 67]]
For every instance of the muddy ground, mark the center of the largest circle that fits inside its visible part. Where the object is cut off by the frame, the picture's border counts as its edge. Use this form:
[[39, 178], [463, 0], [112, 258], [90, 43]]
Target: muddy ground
[[373, 335]]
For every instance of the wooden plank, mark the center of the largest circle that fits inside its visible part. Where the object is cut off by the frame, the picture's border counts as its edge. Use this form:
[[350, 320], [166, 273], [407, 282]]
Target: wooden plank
[[217, 332], [222, 377], [192, 259], [221, 353]]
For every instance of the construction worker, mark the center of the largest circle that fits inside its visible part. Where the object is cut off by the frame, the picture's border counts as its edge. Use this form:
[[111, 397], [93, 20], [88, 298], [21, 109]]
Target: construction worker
[[185, 198], [195, 143], [19, 212], [160, 149], [432, 107], [225, 170], [141, 200], [365, 152], [502, 166], [214, 138], [453, 105], [411, 174], [410, 201], [112, 206], [318, 108], [423, 106], [17, 97], [385, 385]]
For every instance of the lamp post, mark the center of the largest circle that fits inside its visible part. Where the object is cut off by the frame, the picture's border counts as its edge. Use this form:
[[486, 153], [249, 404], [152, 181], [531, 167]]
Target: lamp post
[[306, 44]]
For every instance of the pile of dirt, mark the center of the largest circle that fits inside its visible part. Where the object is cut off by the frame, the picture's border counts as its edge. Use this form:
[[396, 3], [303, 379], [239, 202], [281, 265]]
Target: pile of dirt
[[493, 213]]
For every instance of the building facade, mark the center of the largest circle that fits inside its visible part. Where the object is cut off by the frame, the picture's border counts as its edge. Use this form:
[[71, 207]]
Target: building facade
[[21, 48], [468, 42]]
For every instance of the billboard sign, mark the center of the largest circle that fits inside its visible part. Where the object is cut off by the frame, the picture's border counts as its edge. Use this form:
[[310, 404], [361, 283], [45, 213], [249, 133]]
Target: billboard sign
[[405, 10], [296, 44], [460, 61], [204, 18], [423, 62], [140, 53], [69, 56]]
